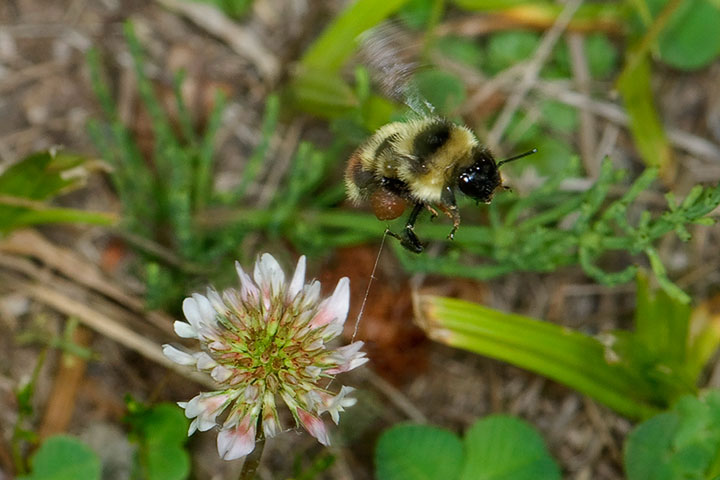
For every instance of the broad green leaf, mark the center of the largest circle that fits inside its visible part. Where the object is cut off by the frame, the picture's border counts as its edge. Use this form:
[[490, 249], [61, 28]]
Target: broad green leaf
[[443, 90], [39, 176], [25, 185], [502, 447], [691, 37], [62, 457], [161, 431], [461, 49], [418, 452], [559, 116], [682, 443], [417, 13], [646, 447], [601, 54], [508, 48]]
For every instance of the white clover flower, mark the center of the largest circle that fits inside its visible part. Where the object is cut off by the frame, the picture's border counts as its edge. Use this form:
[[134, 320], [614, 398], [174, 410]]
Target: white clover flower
[[266, 340]]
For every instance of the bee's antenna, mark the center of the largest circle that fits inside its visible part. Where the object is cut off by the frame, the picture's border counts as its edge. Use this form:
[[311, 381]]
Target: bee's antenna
[[508, 160]]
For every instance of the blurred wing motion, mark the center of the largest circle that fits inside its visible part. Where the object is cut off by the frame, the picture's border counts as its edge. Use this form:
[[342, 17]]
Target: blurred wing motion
[[390, 53]]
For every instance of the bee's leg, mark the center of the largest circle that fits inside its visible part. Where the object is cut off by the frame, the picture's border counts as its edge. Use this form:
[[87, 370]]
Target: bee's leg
[[449, 208], [433, 212], [408, 239]]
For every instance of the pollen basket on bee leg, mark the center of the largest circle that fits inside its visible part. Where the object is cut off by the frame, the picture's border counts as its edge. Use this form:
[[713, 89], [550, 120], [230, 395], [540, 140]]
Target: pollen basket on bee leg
[[387, 205]]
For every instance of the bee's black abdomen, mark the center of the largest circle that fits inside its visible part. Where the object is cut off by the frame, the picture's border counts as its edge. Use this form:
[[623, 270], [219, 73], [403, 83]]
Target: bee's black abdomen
[[431, 138]]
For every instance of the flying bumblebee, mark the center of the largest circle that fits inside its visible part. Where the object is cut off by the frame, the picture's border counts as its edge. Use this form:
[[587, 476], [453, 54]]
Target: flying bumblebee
[[420, 162]]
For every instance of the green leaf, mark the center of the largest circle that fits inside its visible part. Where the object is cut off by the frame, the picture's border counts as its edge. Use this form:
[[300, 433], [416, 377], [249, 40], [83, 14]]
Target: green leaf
[[25, 185], [567, 356], [460, 49], [39, 175], [601, 54], [559, 116], [161, 431], [504, 447], [339, 40], [682, 443], [62, 457], [506, 49], [645, 125], [418, 452], [691, 38], [443, 90]]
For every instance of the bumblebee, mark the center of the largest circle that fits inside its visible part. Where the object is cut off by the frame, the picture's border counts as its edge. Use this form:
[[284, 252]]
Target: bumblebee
[[421, 163]]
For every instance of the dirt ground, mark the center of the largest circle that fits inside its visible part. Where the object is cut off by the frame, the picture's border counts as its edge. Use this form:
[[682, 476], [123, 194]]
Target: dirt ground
[[50, 274]]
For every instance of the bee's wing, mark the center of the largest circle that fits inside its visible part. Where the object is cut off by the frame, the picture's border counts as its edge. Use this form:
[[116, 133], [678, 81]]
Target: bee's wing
[[391, 56]]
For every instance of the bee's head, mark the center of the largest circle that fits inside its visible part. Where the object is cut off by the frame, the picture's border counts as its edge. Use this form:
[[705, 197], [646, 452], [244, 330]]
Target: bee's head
[[480, 179]]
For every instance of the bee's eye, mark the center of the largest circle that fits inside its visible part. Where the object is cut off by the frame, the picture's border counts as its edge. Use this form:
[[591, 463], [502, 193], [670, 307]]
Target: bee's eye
[[478, 182]]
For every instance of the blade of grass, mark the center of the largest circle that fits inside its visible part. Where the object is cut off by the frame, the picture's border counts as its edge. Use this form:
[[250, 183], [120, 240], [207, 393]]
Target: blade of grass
[[338, 41], [569, 357]]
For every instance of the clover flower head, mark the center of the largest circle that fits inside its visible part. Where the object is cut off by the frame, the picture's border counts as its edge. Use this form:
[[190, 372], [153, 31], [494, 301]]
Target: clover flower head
[[262, 342]]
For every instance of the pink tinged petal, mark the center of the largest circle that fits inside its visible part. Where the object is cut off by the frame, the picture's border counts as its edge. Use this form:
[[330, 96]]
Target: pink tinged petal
[[269, 276], [335, 308], [248, 290], [220, 373], [314, 426], [178, 356], [218, 346], [204, 361], [297, 282], [236, 442], [185, 330], [347, 358]]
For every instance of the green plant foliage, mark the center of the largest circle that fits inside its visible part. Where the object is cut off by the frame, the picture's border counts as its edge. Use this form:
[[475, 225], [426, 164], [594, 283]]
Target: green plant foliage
[[461, 49], [443, 90], [495, 448], [636, 373], [691, 38], [162, 195], [62, 457], [602, 56], [505, 49], [161, 432], [646, 127], [504, 447], [232, 8], [339, 40], [559, 117], [681, 443], [418, 452], [26, 185], [518, 240]]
